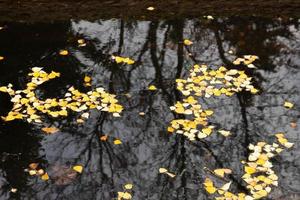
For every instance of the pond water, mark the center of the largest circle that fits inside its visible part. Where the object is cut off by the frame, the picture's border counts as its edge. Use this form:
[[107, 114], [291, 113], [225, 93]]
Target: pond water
[[161, 58]]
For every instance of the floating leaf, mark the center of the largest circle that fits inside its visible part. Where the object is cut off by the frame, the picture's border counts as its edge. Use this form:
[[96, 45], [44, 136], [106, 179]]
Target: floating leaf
[[162, 170], [288, 104], [13, 190], [224, 133], [50, 130], [32, 172], [293, 124], [40, 172], [152, 87], [1, 58], [87, 79], [124, 195], [222, 172], [226, 186], [104, 137], [165, 171], [33, 165], [150, 8], [45, 177], [117, 142], [128, 186], [209, 186], [78, 168], [187, 42], [63, 52], [141, 113]]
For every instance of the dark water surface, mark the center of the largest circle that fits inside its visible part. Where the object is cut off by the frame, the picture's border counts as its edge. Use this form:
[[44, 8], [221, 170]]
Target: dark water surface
[[160, 59]]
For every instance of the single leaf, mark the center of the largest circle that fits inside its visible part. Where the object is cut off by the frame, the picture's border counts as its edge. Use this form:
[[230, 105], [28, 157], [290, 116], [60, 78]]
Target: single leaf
[[45, 177], [117, 142], [104, 137], [78, 168], [288, 104], [150, 8], [187, 42], [63, 52], [152, 87], [128, 186], [50, 130]]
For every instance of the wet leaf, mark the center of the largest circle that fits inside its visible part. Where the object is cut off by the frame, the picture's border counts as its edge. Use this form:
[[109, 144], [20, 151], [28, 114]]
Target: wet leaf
[[78, 168], [187, 42], [33, 165], [13, 190], [117, 142], [1, 58], [226, 186], [124, 195], [150, 8], [63, 52], [293, 124], [152, 87], [162, 170], [222, 172], [40, 172], [32, 172], [45, 177], [104, 137], [50, 130], [224, 133], [288, 104], [128, 186]]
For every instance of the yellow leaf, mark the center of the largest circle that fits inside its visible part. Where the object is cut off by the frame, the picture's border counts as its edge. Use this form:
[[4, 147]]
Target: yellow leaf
[[45, 177], [249, 170], [128, 186], [187, 42], [78, 168], [152, 87], [207, 130], [124, 195], [222, 172], [118, 59], [209, 112], [87, 79], [1, 58], [80, 41], [288, 104], [171, 129], [117, 142], [50, 130], [63, 52], [208, 182]]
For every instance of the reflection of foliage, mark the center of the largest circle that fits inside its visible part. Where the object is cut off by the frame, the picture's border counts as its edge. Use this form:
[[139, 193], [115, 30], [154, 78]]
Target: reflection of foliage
[[27, 105]]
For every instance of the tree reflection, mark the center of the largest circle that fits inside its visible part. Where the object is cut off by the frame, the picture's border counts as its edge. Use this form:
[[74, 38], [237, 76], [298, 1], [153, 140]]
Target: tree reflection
[[161, 58]]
